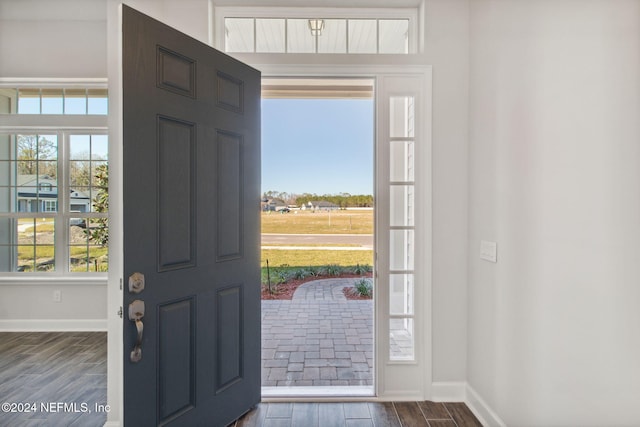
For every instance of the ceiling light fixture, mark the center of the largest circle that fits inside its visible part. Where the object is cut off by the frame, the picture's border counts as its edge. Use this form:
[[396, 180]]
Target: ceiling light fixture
[[316, 26]]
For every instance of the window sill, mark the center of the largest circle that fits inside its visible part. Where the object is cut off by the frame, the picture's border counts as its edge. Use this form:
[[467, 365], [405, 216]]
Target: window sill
[[38, 280]]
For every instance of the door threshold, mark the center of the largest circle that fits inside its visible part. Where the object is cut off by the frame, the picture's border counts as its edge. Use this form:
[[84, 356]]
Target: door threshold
[[327, 393]]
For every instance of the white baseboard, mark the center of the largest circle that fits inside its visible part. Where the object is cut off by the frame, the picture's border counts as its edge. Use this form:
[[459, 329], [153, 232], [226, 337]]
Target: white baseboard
[[463, 392], [448, 391], [53, 325], [481, 410], [112, 424]]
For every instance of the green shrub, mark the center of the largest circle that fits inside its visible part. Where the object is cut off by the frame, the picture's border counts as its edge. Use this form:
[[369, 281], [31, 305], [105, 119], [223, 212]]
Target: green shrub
[[364, 287], [333, 270], [361, 270]]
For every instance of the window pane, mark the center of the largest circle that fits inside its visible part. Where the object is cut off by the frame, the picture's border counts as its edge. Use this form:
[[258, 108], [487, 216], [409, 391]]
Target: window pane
[[88, 249], [401, 339], [401, 249], [45, 257], [7, 174], [79, 147], [402, 116], [401, 294], [51, 101], [299, 38], [47, 147], [8, 238], [100, 190], [97, 101], [270, 35], [48, 170], [75, 101], [394, 36], [88, 173], [401, 161], [29, 101], [29, 245], [401, 206], [79, 173], [362, 36], [239, 35], [333, 38], [80, 199], [99, 147]]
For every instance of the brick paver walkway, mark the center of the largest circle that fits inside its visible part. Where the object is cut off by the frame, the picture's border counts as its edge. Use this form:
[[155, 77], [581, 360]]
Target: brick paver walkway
[[319, 338]]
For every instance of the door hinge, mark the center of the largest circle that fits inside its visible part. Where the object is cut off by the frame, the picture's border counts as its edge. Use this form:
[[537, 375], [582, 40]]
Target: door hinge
[[121, 283], [120, 312]]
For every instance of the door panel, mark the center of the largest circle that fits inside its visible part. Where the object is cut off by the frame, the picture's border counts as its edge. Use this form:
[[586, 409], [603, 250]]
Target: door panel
[[191, 148]]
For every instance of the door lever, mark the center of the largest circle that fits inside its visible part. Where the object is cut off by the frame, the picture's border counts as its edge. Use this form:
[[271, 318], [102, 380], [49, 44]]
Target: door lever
[[136, 313]]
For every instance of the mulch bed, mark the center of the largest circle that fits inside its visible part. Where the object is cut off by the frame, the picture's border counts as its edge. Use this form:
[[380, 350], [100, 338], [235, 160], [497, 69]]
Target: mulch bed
[[285, 291]]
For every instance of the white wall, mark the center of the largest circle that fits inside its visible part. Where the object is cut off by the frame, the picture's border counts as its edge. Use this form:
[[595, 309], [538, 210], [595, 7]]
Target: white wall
[[62, 38], [554, 325], [447, 50], [29, 307]]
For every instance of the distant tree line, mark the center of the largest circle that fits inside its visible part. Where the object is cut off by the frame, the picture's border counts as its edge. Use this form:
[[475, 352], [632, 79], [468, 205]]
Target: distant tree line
[[344, 200]]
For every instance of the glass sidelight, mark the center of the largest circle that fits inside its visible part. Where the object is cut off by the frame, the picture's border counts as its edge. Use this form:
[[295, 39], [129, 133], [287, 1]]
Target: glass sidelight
[[401, 228]]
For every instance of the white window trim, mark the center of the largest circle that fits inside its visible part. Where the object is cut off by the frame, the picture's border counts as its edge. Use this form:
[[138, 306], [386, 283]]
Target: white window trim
[[222, 12], [64, 125], [61, 240]]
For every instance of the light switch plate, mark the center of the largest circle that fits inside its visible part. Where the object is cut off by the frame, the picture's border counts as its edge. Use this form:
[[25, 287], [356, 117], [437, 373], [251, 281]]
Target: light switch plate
[[489, 251]]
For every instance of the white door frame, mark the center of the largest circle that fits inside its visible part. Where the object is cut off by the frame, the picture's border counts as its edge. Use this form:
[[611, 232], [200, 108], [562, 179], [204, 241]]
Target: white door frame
[[393, 381]]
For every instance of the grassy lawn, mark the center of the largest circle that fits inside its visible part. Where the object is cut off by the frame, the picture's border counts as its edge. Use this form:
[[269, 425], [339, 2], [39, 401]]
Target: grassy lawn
[[306, 222], [308, 258]]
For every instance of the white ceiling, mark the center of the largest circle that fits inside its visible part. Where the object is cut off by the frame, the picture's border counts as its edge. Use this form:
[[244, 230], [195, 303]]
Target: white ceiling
[[320, 3]]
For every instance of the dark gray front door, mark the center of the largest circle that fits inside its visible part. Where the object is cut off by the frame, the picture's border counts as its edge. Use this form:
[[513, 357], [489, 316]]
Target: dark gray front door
[[191, 227]]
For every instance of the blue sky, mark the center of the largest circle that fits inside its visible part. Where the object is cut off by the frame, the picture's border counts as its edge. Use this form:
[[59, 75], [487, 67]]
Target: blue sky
[[322, 146]]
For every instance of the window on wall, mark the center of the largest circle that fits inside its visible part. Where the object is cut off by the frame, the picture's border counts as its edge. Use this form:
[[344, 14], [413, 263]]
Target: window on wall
[[55, 101], [53, 183], [53, 202], [377, 31], [401, 227]]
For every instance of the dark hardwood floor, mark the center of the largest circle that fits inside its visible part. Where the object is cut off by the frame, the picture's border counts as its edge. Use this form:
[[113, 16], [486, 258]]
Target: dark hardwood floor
[[55, 369], [360, 414], [51, 370]]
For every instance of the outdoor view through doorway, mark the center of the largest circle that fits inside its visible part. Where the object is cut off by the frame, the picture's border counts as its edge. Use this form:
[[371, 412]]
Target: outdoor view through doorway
[[317, 212]]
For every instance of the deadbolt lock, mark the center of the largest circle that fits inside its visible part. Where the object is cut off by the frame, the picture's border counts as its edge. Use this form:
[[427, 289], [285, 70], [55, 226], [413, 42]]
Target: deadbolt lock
[[136, 283]]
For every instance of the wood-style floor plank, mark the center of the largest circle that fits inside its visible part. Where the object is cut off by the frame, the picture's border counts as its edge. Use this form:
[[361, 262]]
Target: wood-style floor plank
[[41, 367], [434, 410], [305, 415], [410, 414], [356, 410], [331, 414], [462, 415], [280, 410], [255, 417], [383, 414], [442, 423], [72, 367]]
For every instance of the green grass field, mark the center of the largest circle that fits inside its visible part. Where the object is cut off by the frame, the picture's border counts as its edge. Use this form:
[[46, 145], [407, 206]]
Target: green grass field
[[307, 222], [315, 258]]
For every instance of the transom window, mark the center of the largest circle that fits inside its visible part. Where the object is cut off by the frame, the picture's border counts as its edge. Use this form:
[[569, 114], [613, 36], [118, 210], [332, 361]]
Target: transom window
[[71, 101], [327, 31]]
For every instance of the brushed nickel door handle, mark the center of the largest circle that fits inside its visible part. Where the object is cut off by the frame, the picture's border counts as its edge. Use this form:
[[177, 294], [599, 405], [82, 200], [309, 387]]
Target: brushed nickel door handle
[[136, 313]]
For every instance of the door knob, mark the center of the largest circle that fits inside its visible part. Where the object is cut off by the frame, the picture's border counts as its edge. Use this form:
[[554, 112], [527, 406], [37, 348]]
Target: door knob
[[136, 313]]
